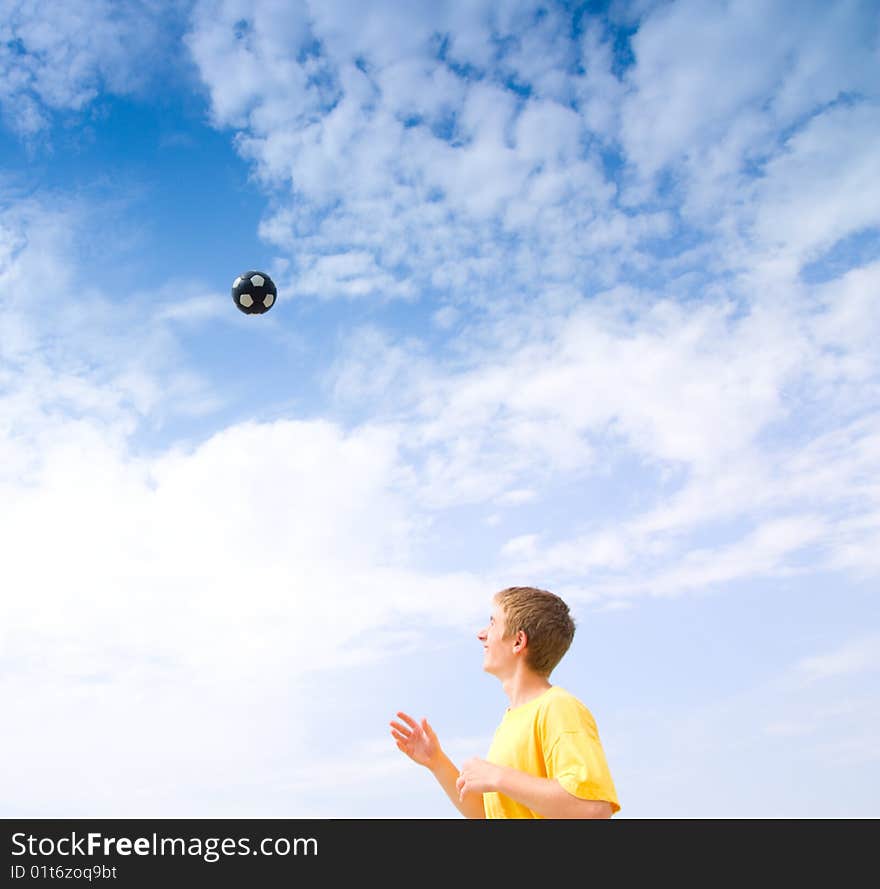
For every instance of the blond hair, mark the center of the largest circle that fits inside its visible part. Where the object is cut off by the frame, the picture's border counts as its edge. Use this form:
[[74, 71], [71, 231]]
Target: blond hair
[[544, 618]]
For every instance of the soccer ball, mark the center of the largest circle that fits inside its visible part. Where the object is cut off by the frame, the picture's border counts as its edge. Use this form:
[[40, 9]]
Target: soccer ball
[[254, 293]]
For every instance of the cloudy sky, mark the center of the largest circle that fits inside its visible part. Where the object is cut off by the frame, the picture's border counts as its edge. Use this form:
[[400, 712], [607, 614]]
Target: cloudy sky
[[583, 296]]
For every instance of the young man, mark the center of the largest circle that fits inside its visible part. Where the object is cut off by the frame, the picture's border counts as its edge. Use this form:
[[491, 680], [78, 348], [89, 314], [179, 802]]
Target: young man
[[546, 759]]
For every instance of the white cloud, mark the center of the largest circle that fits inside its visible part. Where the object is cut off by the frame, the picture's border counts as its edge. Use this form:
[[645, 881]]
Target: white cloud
[[703, 71], [58, 359], [179, 303], [392, 150], [708, 395], [824, 186], [600, 92], [517, 497], [856, 656], [353, 275], [522, 546], [61, 57], [180, 599]]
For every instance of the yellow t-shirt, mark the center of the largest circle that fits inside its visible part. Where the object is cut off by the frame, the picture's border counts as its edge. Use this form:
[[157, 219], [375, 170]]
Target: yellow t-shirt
[[552, 736]]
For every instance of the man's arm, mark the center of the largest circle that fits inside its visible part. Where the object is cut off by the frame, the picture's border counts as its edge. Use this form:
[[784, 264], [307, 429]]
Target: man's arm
[[544, 796], [469, 804], [420, 743]]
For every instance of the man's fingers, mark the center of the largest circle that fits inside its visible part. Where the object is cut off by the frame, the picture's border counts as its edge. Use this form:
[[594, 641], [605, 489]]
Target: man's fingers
[[402, 729], [408, 720]]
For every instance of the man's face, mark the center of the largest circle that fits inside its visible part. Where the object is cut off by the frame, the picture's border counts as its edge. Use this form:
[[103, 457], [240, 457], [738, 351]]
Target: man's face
[[497, 652]]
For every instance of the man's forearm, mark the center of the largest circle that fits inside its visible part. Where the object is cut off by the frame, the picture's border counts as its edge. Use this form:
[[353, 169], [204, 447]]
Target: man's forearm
[[547, 797], [446, 773]]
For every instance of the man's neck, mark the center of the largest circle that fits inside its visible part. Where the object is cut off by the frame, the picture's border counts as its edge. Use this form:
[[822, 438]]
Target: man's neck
[[524, 686]]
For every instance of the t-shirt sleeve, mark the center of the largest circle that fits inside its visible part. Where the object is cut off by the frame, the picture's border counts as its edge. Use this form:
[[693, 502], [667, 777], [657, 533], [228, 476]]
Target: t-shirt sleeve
[[575, 758]]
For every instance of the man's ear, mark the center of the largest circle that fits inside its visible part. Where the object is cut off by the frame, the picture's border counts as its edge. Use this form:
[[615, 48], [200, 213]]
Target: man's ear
[[520, 641]]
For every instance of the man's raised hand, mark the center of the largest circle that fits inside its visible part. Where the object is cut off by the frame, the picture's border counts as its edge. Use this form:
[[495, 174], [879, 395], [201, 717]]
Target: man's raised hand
[[416, 740]]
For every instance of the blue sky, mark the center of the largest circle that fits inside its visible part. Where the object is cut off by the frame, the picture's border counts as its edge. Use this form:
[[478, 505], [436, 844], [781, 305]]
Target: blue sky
[[579, 296]]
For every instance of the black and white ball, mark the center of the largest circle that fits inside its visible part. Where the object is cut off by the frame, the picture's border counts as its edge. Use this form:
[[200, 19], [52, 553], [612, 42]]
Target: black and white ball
[[254, 293]]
